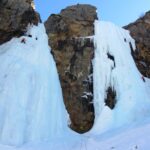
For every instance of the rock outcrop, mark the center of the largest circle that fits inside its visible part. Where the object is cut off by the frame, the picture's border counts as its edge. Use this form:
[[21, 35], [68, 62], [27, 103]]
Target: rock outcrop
[[140, 31], [15, 15], [73, 51]]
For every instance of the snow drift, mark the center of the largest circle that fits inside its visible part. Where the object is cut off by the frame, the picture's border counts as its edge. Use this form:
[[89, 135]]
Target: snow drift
[[31, 103]]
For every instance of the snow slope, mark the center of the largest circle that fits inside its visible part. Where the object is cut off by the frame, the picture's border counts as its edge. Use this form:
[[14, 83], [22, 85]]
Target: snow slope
[[31, 103]]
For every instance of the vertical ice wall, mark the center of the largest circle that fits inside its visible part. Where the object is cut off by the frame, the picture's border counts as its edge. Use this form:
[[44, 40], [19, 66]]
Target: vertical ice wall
[[114, 67], [31, 103]]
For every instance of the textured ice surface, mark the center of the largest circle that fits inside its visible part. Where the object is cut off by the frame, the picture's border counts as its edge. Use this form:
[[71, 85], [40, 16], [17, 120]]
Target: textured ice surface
[[31, 103], [121, 74]]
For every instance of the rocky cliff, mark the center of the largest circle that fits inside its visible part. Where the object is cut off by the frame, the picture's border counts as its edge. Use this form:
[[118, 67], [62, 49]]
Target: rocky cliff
[[140, 31], [15, 15], [73, 51]]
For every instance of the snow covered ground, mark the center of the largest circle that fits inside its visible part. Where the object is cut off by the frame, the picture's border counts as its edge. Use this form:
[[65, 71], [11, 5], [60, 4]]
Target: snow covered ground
[[32, 113], [135, 137]]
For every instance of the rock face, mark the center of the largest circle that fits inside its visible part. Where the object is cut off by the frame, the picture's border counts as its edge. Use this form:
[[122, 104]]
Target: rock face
[[140, 31], [15, 15], [73, 51]]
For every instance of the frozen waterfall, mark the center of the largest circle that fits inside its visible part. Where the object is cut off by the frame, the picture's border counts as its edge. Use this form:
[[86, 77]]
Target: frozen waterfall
[[115, 68], [31, 103]]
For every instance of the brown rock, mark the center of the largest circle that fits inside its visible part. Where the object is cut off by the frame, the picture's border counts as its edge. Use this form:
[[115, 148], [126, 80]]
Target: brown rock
[[140, 31], [73, 55], [15, 15], [110, 99]]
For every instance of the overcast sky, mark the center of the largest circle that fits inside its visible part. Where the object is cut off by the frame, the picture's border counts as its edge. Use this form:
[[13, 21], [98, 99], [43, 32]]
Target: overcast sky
[[121, 12]]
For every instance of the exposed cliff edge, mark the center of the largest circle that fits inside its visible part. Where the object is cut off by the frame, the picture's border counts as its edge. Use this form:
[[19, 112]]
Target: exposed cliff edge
[[73, 50], [15, 15], [140, 31]]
